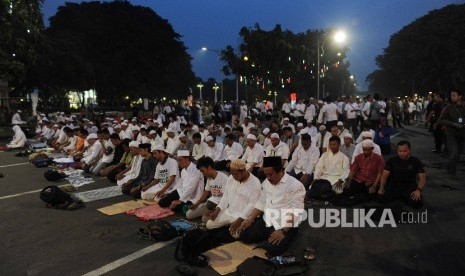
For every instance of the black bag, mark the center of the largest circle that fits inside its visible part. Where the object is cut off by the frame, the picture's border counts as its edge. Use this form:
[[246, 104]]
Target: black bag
[[255, 266], [189, 248], [52, 175], [158, 230], [320, 188], [55, 197], [43, 162]]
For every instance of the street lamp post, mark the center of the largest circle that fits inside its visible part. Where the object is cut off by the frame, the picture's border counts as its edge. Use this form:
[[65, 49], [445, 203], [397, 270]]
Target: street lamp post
[[339, 37], [200, 89], [218, 53], [215, 87]]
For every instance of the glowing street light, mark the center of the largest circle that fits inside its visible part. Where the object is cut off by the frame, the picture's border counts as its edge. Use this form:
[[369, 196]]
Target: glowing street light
[[200, 85]]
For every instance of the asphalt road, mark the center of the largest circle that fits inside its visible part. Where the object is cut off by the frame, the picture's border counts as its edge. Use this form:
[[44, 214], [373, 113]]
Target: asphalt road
[[35, 240]]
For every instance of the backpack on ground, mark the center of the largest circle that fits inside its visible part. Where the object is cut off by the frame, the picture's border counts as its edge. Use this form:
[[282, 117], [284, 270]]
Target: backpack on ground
[[158, 230], [42, 162], [52, 175], [190, 247], [59, 199]]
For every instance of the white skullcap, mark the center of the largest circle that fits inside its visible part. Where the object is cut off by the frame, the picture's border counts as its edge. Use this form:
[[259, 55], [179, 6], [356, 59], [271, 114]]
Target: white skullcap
[[182, 135], [135, 128], [152, 132], [320, 102], [183, 153], [340, 123], [126, 121], [368, 143], [19, 111], [303, 131], [322, 127], [124, 124], [286, 119], [309, 121], [208, 138], [275, 136], [367, 134], [252, 137], [117, 126], [348, 135], [134, 144], [92, 136], [266, 131], [168, 130], [300, 125], [158, 147]]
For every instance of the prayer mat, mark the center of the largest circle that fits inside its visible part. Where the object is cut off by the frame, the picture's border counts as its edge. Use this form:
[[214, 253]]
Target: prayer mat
[[225, 259], [93, 195], [123, 207], [151, 212]]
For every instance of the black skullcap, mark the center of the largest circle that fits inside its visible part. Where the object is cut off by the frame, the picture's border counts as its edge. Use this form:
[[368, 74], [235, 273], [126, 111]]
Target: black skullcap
[[272, 161]]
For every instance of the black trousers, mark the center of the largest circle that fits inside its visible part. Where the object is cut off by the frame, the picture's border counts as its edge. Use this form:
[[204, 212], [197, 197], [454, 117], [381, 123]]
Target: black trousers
[[438, 133], [455, 144], [355, 194], [396, 121], [166, 201], [258, 232], [135, 193], [394, 192]]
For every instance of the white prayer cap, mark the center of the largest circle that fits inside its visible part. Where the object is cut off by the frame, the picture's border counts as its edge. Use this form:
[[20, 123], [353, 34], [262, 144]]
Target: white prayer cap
[[92, 136], [309, 121], [311, 98], [152, 132], [300, 125], [201, 123], [368, 143], [42, 114], [135, 128], [340, 123], [303, 131], [19, 111], [348, 135], [126, 121], [91, 123], [134, 144], [266, 131], [195, 128], [182, 135], [183, 153], [322, 127], [286, 119], [55, 125], [117, 126], [208, 138], [367, 134], [168, 130], [83, 119], [158, 147], [252, 137], [320, 102], [275, 136]]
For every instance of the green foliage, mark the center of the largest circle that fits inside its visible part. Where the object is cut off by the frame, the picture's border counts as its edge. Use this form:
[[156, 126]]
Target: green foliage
[[118, 49], [280, 60], [426, 55], [21, 26]]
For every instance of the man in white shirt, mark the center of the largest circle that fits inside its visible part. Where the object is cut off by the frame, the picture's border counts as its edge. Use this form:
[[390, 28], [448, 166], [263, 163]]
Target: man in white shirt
[[331, 171], [107, 154], [350, 112], [16, 119], [287, 124], [172, 142], [200, 147], [243, 109], [247, 125], [359, 149], [166, 178], [286, 108], [213, 150], [322, 139], [304, 160], [133, 171], [19, 138], [278, 148], [231, 151], [311, 129], [329, 114], [240, 194], [213, 190], [310, 111], [190, 187], [253, 155], [92, 154], [155, 139], [268, 225]]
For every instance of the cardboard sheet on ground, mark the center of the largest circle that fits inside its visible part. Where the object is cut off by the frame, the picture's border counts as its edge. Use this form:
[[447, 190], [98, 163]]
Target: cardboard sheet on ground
[[123, 207], [225, 259]]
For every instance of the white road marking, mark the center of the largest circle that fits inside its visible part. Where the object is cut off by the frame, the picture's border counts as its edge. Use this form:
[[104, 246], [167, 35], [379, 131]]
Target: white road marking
[[20, 194], [129, 258], [392, 136], [12, 165]]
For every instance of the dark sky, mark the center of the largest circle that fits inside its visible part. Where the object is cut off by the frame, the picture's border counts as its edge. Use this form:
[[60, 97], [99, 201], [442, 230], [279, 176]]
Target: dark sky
[[216, 23]]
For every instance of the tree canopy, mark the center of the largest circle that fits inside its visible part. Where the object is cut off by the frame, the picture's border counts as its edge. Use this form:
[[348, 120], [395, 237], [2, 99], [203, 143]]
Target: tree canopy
[[280, 60], [426, 55], [21, 25], [117, 48]]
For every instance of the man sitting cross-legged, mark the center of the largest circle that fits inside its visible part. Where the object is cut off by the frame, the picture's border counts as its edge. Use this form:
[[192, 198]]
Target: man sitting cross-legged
[[240, 194], [213, 190], [268, 223]]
